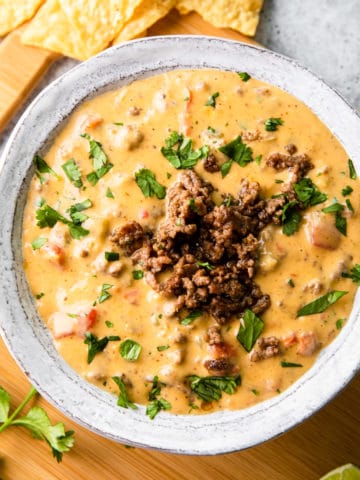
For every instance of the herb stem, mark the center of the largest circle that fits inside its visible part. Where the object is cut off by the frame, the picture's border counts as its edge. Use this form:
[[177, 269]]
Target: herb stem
[[29, 396]]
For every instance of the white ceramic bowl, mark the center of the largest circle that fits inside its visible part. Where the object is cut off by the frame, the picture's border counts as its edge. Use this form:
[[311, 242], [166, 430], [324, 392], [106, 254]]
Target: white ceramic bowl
[[23, 330]]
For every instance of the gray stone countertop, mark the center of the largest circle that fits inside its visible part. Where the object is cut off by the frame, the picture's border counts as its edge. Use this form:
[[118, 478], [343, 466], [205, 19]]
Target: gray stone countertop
[[323, 35]]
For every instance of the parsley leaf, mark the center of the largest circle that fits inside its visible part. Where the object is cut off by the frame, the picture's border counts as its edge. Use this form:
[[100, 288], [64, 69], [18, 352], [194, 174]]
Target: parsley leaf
[[37, 422], [104, 294], [238, 152], [112, 256], [271, 124], [354, 274], [147, 183], [97, 345], [100, 160], [291, 218], [210, 388], [190, 317], [249, 330], [72, 172], [321, 304], [352, 171], [308, 193], [38, 243], [42, 167], [212, 100], [130, 350], [123, 399], [183, 156], [244, 76]]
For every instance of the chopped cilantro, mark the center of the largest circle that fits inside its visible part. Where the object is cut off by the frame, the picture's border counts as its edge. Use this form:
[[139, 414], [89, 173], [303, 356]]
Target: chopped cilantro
[[72, 172], [211, 388], [271, 124], [130, 350], [352, 171], [97, 345], [104, 294], [39, 295], [101, 164], [156, 404], [183, 156], [112, 256], [346, 190], [291, 283], [211, 129], [47, 217], [291, 218], [38, 243], [123, 399], [190, 317], [137, 274], [109, 193], [349, 205], [333, 208], [238, 152], [206, 265], [212, 100], [354, 274], [244, 76], [42, 167], [255, 392], [161, 348], [147, 183], [290, 364], [250, 329], [119, 124], [321, 304], [109, 324], [308, 193], [258, 159], [339, 323]]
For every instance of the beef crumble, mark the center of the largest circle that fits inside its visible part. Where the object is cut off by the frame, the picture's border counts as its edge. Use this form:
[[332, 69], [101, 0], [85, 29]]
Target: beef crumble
[[209, 251]]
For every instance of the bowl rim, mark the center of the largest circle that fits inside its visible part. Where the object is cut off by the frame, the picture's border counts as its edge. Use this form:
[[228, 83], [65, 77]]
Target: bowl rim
[[208, 434]]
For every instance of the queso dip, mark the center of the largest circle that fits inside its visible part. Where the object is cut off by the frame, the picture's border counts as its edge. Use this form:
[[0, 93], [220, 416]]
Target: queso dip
[[190, 240]]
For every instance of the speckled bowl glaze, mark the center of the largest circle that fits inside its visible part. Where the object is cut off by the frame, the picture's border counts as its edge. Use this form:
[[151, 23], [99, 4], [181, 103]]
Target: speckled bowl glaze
[[23, 330]]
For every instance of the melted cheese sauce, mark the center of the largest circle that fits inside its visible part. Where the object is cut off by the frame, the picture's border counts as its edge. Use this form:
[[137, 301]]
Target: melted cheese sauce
[[70, 273]]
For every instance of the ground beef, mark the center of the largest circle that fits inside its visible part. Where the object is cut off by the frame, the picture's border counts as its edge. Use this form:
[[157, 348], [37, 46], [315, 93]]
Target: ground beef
[[129, 237], [218, 366], [267, 347], [210, 163], [209, 251]]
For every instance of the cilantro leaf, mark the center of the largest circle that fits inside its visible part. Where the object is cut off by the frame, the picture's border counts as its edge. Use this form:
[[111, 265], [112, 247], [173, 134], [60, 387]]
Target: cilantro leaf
[[346, 190], [154, 407], [161, 348], [321, 304], [72, 172], [100, 160], [333, 208], [308, 193], [155, 389], [238, 152], [341, 223], [77, 231], [104, 294], [354, 274], [40, 426], [244, 76], [291, 218], [123, 399], [290, 364], [109, 193], [211, 388], [137, 274], [183, 156], [130, 350], [249, 330], [147, 183], [190, 317], [352, 171], [271, 124], [225, 168], [206, 265], [76, 210], [38, 242], [42, 167], [46, 216], [212, 100], [97, 345], [112, 256]]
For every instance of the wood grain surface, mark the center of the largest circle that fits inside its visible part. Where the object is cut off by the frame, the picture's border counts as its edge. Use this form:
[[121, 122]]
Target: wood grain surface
[[330, 438]]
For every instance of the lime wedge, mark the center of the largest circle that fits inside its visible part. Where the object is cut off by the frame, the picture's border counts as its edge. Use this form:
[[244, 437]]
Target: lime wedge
[[345, 472]]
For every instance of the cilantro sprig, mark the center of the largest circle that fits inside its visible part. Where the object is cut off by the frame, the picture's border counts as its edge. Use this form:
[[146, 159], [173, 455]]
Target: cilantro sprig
[[237, 151], [250, 329], [37, 422], [47, 216], [212, 100], [179, 151], [72, 172], [354, 274], [271, 124]]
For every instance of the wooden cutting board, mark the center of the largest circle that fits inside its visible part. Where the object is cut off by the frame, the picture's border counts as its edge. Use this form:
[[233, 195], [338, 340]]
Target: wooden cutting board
[[330, 438]]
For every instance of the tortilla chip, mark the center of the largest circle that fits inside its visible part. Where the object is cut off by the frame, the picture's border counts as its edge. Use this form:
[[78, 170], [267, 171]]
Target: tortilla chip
[[145, 15], [241, 15], [78, 28], [16, 12], [51, 29]]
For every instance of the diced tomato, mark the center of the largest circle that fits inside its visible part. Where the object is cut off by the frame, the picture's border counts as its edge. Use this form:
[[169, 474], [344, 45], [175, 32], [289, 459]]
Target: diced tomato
[[143, 213], [91, 317], [132, 296], [289, 340], [54, 253], [85, 322]]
